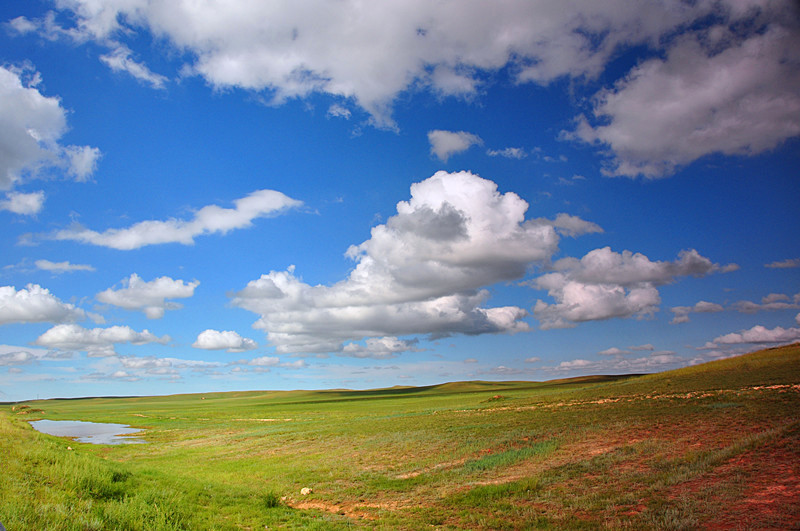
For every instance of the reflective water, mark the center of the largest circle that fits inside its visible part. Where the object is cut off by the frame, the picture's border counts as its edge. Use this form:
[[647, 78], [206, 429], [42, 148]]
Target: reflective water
[[89, 432]]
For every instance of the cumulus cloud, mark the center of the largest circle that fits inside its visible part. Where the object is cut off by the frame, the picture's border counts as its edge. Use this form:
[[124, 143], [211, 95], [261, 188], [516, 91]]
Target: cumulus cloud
[[509, 153], [605, 284], [682, 312], [150, 297], [171, 367], [772, 302], [379, 348], [372, 52], [12, 355], [33, 124], [120, 60], [656, 361], [61, 267], [613, 351], [35, 304], [211, 219], [17, 357], [23, 204], [716, 91], [784, 264], [760, 334], [97, 342], [338, 111], [422, 272], [444, 144], [223, 340]]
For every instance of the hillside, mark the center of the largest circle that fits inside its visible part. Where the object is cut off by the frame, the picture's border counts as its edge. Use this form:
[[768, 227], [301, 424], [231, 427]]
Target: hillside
[[711, 446]]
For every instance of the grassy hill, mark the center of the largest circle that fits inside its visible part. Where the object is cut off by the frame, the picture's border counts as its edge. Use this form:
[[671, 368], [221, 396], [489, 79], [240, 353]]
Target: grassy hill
[[714, 445]]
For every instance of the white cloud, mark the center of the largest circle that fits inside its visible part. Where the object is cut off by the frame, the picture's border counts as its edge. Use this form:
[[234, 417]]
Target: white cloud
[[646, 346], [423, 272], [379, 348], [772, 302], [605, 284], [16, 357], [24, 204], [154, 366], [61, 267], [656, 361], [150, 297], [224, 340], [784, 264], [119, 60], [82, 161], [211, 219], [338, 111], [760, 334], [371, 52], [35, 304], [447, 143], [715, 92], [22, 25], [509, 153], [613, 351], [682, 312], [29, 139], [96, 342], [264, 361]]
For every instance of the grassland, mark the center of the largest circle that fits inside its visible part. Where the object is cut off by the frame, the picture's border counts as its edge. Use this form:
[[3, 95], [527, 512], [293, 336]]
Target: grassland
[[710, 446]]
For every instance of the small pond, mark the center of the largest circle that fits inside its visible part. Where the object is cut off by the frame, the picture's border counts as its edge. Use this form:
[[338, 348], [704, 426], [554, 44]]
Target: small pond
[[89, 432]]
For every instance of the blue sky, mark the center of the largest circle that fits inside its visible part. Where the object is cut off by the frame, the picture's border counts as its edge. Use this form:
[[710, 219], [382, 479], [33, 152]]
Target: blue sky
[[232, 195]]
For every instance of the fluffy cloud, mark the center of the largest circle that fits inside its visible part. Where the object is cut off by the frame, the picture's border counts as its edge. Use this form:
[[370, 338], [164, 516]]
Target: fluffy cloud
[[715, 92], [729, 84], [24, 204], [682, 312], [656, 361], [225, 340], [29, 139], [447, 143], [35, 304], [509, 153], [119, 60], [211, 219], [61, 267], [760, 334], [605, 284], [150, 297], [784, 264], [423, 272], [96, 342], [154, 366], [379, 348], [371, 52], [773, 301]]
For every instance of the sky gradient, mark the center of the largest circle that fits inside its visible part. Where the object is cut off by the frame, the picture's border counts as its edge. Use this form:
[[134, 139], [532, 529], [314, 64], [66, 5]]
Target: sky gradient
[[239, 195]]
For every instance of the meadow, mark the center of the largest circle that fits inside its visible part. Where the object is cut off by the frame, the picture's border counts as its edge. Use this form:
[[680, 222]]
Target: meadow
[[710, 446]]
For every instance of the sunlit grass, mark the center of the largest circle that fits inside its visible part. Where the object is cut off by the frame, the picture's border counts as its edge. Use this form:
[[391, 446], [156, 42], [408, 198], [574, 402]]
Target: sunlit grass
[[587, 453]]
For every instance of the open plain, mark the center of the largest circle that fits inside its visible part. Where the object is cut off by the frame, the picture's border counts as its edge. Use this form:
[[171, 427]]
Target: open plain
[[713, 446]]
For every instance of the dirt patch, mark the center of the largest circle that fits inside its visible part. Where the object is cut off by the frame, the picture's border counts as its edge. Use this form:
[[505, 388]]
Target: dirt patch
[[358, 510], [770, 498], [263, 420]]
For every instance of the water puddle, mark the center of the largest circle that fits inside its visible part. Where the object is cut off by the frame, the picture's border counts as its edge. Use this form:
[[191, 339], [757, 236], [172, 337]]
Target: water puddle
[[89, 432]]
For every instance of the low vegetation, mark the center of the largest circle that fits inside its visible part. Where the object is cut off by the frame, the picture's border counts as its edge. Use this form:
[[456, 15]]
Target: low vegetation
[[710, 446]]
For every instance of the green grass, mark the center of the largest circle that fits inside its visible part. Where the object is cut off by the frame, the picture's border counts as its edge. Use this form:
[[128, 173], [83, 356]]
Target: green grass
[[591, 453]]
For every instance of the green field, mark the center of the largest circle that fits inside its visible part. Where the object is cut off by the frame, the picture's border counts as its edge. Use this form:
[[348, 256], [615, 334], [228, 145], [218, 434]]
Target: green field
[[711, 445]]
